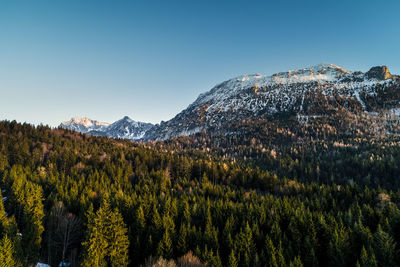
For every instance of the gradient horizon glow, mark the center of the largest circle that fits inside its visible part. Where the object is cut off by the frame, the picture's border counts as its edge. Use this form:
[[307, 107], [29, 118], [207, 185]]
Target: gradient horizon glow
[[151, 59]]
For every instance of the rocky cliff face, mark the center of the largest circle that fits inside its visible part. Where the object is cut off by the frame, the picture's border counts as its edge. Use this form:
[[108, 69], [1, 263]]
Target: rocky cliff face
[[379, 73]]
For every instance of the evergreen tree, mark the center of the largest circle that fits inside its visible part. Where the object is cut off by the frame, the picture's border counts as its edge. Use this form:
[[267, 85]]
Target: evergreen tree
[[7, 252], [186, 212], [296, 262], [96, 244], [3, 217], [337, 249], [182, 244], [165, 246], [271, 258], [32, 221], [367, 260], [279, 256], [107, 241], [141, 220], [232, 262], [118, 242], [384, 247]]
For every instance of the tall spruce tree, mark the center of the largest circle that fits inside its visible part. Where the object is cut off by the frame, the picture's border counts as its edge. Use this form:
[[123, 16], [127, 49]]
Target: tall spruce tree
[[107, 241], [7, 253]]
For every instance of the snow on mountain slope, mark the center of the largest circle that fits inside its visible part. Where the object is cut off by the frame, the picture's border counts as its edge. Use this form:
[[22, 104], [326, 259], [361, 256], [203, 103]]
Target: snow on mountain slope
[[84, 125], [124, 128], [310, 91], [128, 128], [284, 87]]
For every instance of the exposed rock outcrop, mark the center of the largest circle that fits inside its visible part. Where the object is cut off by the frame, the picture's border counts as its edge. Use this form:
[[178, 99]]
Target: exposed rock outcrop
[[379, 72]]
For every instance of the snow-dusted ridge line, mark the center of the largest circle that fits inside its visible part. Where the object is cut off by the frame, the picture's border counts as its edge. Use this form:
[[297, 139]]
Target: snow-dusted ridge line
[[84, 124], [250, 96], [253, 96], [123, 128], [322, 73], [84, 121]]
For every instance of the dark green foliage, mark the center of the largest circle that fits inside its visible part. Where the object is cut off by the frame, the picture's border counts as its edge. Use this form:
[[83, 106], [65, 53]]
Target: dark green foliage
[[367, 260], [107, 241], [384, 248], [232, 262], [131, 201], [7, 252]]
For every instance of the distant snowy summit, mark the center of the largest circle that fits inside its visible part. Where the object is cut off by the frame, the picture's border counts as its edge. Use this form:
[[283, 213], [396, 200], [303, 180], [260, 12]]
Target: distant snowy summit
[[128, 128], [84, 125], [123, 128]]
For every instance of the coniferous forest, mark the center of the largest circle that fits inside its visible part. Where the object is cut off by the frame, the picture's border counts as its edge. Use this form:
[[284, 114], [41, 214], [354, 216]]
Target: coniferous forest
[[199, 133], [93, 201]]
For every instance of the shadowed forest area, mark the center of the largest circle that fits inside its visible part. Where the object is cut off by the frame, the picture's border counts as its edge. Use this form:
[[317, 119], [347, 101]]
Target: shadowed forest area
[[94, 201]]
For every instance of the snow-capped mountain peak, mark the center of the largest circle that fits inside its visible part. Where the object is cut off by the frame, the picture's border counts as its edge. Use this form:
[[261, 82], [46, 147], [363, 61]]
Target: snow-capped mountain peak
[[128, 128], [84, 124], [126, 118], [123, 128]]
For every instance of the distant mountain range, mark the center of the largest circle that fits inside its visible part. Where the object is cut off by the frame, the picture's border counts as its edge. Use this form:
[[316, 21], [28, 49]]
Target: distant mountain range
[[316, 94], [123, 128]]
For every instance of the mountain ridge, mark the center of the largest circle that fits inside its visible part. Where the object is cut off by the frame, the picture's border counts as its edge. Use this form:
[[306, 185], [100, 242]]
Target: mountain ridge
[[123, 128], [309, 91], [309, 94]]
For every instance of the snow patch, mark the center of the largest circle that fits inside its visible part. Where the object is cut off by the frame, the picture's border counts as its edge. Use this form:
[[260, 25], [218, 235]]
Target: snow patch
[[357, 95]]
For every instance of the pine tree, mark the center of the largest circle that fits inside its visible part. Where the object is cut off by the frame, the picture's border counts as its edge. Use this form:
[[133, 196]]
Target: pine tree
[[367, 260], [337, 248], [32, 220], [271, 253], [311, 258], [107, 241], [157, 222], [165, 246], [232, 262], [3, 217], [279, 256], [96, 244], [296, 262], [217, 260], [118, 242], [182, 246], [248, 242], [186, 212], [227, 236], [7, 252], [208, 231], [384, 247], [141, 220]]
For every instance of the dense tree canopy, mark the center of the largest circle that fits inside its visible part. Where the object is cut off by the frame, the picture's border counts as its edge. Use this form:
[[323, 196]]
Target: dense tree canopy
[[94, 201]]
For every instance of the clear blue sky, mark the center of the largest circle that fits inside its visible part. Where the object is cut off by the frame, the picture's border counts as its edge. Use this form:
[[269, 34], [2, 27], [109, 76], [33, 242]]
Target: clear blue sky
[[151, 59]]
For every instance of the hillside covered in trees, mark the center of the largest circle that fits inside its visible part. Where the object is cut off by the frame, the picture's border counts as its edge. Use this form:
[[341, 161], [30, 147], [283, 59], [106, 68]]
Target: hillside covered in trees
[[94, 201]]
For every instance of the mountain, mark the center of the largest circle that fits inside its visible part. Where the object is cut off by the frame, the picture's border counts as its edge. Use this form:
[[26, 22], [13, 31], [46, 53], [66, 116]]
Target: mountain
[[323, 98], [324, 92], [84, 125], [128, 129], [123, 128]]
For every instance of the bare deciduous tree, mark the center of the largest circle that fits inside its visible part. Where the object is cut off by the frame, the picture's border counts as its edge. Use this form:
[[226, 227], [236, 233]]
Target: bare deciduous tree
[[65, 232]]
